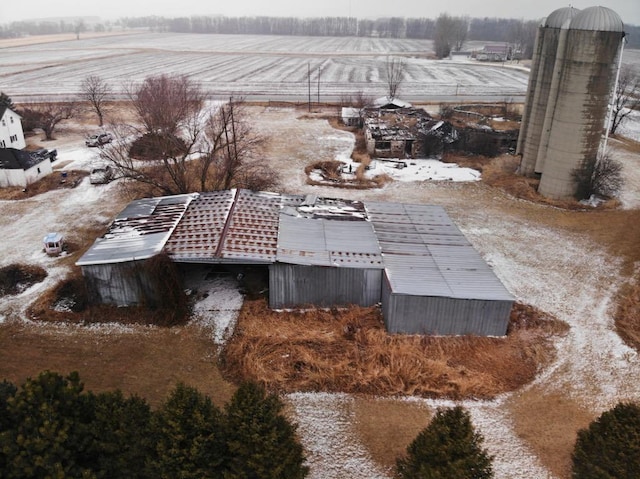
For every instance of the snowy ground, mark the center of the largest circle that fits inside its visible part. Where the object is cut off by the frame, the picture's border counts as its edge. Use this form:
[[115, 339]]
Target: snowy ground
[[561, 273]]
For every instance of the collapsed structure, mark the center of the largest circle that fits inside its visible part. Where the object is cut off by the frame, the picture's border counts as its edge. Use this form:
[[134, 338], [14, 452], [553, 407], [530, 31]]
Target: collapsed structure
[[570, 87], [404, 132], [411, 259]]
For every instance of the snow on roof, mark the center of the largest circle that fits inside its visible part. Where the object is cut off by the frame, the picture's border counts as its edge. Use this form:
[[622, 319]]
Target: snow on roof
[[140, 231], [421, 250], [13, 159], [388, 102]]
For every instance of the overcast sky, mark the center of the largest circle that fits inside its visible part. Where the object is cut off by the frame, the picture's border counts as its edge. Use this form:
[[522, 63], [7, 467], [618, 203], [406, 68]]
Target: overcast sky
[[11, 10]]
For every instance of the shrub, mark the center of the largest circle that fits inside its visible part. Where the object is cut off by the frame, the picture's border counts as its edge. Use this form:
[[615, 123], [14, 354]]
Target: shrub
[[603, 177], [448, 447], [610, 447]]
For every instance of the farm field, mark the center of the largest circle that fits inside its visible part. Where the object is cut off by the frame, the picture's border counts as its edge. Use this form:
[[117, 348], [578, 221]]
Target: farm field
[[569, 264], [256, 67]]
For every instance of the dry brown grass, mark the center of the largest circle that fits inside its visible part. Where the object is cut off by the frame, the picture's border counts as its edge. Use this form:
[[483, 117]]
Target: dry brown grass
[[385, 428], [332, 176], [627, 317], [147, 362], [50, 182], [350, 351], [548, 423], [15, 278]]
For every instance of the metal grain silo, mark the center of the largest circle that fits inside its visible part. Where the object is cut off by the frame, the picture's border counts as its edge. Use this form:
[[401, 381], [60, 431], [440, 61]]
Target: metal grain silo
[[542, 65], [578, 100]]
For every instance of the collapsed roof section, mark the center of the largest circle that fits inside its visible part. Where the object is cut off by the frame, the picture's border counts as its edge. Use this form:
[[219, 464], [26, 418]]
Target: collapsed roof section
[[406, 124]]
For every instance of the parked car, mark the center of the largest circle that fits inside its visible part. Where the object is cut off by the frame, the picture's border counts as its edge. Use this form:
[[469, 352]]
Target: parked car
[[44, 153], [101, 174], [99, 139]]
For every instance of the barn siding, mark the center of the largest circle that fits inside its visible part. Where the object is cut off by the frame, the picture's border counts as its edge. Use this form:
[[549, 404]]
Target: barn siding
[[120, 284], [412, 314], [296, 285]]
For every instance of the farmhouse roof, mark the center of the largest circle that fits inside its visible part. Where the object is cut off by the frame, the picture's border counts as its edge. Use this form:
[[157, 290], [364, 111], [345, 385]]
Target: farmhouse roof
[[13, 159]]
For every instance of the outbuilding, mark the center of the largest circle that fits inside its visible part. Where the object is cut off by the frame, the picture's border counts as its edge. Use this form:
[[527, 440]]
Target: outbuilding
[[21, 168], [321, 252]]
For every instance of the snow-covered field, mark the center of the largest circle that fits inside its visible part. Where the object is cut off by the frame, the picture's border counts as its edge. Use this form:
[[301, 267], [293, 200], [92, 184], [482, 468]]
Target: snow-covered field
[[269, 67]]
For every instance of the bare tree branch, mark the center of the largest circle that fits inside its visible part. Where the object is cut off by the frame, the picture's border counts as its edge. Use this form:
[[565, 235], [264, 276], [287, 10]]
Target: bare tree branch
[[47, 115], [96, 91], [626, 98], [394, 75]]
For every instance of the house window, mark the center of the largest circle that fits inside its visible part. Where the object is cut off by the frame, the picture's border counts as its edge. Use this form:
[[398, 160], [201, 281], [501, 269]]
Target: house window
[[38, 170], [11, 119], [4, 123], [383, 145], [2, 144]]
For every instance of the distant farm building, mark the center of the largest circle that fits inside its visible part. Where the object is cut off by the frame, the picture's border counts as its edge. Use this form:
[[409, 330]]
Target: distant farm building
[[21, 168], [572, 78], [11, 134], [403, 132], [324, 252], [494, 53]]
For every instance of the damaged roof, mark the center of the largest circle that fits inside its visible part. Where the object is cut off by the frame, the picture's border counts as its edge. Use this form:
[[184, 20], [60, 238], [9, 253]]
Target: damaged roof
[[140, 231], [13, 159], [406, 124], [419, 247]]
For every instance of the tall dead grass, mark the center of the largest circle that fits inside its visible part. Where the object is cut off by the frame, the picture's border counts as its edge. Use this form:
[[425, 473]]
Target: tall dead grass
[[350, 351]]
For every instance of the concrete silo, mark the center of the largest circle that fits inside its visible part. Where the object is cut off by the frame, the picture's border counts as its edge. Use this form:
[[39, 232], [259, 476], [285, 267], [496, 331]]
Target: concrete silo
[[542, 65], [567, 101]]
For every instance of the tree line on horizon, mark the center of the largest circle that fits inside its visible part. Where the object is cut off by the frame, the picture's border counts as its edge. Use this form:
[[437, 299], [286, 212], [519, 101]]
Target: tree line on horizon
[[492, 29]]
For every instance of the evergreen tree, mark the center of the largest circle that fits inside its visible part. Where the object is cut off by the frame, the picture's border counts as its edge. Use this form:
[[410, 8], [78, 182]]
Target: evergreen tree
[[261, 441], [189, 440], [49, 434], [7, 421], [122, 440], [5, 100], [448, 447], [610, 447]]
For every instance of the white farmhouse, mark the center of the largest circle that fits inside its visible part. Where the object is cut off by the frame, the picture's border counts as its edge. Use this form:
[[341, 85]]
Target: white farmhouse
[[11, 134], [21, 168]]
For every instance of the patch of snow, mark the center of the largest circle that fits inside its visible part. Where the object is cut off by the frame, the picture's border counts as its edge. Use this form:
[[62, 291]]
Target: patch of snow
[[217, 305], [325, 423]]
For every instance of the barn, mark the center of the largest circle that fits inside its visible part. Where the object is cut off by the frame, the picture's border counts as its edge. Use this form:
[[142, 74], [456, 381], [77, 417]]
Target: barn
[[324, 252]]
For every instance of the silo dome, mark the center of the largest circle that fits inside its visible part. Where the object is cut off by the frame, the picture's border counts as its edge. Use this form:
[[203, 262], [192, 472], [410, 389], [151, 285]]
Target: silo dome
[[557, 18], [598, 19]]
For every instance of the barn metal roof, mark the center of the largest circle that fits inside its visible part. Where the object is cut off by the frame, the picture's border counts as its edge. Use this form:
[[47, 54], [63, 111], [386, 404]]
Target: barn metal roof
[[229, 227], [425, 254], [418, 246], [326, 242], [140, 231]]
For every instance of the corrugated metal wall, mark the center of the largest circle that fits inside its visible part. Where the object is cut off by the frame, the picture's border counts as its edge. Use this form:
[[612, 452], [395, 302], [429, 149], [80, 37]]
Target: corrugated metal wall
[[443, 316], [120, 284], [295, 285]]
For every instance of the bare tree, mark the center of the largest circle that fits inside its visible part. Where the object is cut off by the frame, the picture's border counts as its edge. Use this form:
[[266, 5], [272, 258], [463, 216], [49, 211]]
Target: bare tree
[[442, 39], [394, 69], [96, 91], [185, 148], [163, 103], [626, 98], [459, 32], [602, 176], [47, 115]]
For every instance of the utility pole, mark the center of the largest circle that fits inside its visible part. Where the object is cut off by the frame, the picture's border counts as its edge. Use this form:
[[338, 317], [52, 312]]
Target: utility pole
[[309, 82], [318, 85]]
